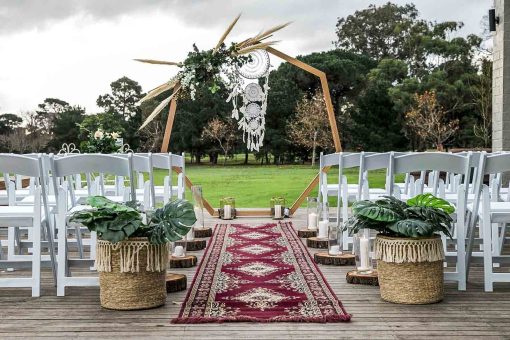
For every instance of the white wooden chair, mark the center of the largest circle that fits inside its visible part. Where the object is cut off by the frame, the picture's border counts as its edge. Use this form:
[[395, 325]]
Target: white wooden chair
[[171, 163], [492, 215], [442, 162], [32, 217], [64, 169]]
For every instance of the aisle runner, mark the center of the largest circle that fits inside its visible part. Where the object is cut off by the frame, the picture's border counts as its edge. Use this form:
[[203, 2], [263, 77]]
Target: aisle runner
[[261, 274]]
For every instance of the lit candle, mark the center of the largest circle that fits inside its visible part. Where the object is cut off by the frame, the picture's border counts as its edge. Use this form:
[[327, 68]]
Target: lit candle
[[227, 214], [178, 251], [323, 229], [364, 253], [334, 250], [277, 211], [198, 215], [312, 221], [190, 236]]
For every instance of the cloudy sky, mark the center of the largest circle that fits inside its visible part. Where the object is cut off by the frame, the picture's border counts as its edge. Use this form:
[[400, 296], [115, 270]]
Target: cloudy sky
[[73, 49]]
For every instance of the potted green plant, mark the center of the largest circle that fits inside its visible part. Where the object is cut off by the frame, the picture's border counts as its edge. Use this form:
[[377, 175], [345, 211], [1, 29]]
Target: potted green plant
[[132, 249], [408, 247]]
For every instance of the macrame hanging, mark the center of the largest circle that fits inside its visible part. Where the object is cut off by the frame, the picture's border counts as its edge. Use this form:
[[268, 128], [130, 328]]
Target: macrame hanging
[[254, 99]]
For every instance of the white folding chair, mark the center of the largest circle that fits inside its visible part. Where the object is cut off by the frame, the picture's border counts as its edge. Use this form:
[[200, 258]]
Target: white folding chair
[[442, 162], [171, 163], [492, 215], [63, 170], [31, 217]]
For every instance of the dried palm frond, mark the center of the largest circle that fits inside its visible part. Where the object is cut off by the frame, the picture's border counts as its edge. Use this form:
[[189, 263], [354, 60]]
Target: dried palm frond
[[158, 62], [160, 107], [225, 34], [258, 46], [261, 36], [158, 90]]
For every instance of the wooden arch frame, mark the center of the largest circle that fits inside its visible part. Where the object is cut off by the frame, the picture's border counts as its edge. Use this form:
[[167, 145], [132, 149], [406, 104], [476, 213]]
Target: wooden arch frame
[[332, 122]]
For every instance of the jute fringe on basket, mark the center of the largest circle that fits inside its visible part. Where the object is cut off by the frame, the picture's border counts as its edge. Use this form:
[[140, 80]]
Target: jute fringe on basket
[[130, 255], [395, 250]]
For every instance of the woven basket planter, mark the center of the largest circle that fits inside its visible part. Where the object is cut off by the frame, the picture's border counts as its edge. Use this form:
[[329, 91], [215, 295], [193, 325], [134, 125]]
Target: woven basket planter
[[410, 269], [131, 274]]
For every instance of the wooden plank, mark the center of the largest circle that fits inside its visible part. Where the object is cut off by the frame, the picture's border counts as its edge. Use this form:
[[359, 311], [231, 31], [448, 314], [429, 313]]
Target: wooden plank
[[170, 120]]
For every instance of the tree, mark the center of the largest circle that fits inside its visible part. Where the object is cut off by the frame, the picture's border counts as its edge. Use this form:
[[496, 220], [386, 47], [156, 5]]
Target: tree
[[310, 128], [221, 132], [66, 127], [9, 122], [121, 103], [430, 121], [48, 111], [481, 90]]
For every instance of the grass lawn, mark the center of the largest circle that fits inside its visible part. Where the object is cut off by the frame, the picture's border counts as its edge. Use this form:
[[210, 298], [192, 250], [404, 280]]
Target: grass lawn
[[253, 186]]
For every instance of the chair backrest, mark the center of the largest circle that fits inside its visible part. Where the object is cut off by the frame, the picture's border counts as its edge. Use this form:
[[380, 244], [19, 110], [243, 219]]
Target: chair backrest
[[372, 162], [171, 162], [69, 166], [433, 161]]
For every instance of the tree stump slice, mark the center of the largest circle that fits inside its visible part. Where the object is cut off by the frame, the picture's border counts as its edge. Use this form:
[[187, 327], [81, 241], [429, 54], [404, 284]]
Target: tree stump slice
[[187, 261], [202, 232], [357, 278], [317, 243], [334, 260], [306, 233], [193, 245], [175, 282]]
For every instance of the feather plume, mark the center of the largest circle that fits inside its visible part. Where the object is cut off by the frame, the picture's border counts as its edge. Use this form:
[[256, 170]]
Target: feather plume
[[158, 90], [158, 62], [226, 33], [160, 107]]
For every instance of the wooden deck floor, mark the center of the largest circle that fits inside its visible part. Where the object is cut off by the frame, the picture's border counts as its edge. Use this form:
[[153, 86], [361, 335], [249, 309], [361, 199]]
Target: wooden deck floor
[[461, 315]]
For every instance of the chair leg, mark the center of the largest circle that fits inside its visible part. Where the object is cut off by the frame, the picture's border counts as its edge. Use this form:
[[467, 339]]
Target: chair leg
[[487, 253], [36, 261], [79, 242]]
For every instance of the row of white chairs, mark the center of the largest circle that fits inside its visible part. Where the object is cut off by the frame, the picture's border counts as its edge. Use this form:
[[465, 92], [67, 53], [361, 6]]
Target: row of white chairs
[[457, 178], [37, 217]]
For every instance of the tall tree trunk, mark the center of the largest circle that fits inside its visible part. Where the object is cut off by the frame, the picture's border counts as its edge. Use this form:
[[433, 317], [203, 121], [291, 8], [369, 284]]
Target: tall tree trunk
[[314, 147], [246, 155], [225, 158]]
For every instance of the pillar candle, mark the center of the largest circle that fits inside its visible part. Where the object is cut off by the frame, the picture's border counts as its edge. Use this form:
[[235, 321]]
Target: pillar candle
[[312, 221], [190, 236], [198, 215], [364, 253], [277, 211], [227, 214], [334, 250], [323, 229], [178, 251]]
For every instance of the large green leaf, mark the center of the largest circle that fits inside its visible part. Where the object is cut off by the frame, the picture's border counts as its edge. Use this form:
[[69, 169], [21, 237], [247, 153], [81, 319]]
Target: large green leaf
[[383, 210], [429, 200], [412, 228], [171, 222]]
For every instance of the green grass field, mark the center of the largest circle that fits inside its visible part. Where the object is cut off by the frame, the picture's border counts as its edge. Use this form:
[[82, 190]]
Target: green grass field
[[253, 186]]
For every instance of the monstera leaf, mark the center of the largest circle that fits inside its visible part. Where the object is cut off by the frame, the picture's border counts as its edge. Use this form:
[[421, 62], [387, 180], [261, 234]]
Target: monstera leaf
[[412, 228], [383, 210], [112, 221], [429, 200], [171, 222]]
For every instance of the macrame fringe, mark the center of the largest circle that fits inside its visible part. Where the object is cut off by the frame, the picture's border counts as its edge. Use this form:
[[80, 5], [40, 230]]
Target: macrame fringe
[[129, 253], [407, 250]]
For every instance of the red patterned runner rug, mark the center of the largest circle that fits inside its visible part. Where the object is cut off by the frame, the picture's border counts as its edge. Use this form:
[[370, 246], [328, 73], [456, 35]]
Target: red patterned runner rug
[[260, 274]]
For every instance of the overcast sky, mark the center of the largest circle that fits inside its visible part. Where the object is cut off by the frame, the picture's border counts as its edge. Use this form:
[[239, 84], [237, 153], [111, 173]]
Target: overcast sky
[[73, 49]]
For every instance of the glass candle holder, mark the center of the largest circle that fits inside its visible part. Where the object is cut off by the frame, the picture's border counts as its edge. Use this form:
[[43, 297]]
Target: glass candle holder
[[198, 205], [312, 213], [334, 240], [227, 208], [323, 220], [277, 208], [361, 250]]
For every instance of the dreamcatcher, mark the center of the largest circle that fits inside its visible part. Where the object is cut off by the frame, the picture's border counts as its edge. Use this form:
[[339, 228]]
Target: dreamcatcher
[[254, 99]]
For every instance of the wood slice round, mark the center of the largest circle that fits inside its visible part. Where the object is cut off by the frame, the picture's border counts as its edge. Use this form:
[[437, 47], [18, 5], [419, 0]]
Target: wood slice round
[[306, 233], [193, 245], [202, 232], [334, 260], [175, 282], [358, 278], [318, 243], [187, 261]]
